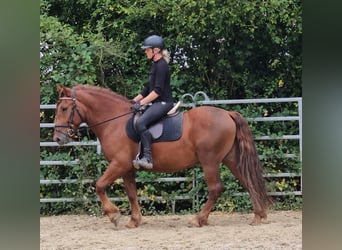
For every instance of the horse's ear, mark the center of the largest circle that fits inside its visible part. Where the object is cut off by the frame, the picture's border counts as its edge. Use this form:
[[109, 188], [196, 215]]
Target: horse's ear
[[62, 91]]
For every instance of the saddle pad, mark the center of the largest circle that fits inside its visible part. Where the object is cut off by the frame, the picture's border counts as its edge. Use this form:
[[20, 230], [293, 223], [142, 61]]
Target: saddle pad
[[171, 128]]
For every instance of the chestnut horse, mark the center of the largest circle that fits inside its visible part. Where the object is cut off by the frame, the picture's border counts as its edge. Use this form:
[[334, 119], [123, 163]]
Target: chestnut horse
[[210, 136]]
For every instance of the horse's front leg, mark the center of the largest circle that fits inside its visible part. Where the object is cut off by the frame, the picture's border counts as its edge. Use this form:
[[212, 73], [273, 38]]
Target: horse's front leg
[[109, 176], [131, 191]]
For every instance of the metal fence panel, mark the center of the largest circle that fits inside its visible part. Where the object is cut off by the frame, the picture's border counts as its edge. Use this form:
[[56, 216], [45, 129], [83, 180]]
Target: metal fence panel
[[206, 101]]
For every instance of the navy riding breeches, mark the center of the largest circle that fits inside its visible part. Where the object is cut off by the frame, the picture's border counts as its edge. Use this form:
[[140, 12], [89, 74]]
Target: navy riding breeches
[[156, 111]]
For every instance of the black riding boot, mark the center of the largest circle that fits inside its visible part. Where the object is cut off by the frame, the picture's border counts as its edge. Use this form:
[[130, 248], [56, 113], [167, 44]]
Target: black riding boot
[[146, 160]]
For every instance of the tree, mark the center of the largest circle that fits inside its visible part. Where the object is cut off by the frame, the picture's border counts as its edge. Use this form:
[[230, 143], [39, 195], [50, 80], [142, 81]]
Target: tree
[[234, 49]]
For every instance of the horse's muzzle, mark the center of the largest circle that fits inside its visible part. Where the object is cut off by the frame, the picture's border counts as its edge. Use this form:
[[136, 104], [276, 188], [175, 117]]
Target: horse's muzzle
[[61, 138]]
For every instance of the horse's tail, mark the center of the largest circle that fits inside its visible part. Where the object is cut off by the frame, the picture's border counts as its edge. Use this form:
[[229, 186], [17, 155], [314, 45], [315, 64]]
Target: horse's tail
[[249, 165]]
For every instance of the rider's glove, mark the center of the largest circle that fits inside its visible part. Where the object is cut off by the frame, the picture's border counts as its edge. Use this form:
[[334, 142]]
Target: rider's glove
[[136, 107]]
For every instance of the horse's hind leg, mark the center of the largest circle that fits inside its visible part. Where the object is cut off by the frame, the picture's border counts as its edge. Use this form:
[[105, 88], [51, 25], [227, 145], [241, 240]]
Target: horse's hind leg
[[260, 214], [131, 191], [215, 187]]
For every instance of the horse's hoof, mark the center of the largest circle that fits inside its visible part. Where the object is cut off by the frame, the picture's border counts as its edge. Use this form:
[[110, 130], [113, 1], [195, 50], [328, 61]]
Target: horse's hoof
[[254, 223], [264, 221], [194, 223], [131, 225], [116, 219], [257, 223]]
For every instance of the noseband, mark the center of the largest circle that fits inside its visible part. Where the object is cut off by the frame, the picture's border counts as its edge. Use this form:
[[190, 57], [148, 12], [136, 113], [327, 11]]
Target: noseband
[[71, 127]]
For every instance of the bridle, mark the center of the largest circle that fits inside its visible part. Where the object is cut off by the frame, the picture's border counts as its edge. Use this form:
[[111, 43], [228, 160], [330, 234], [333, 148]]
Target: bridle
[[71, 126]]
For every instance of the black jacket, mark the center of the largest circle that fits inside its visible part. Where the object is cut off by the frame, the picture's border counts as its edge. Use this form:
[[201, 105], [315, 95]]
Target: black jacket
[[159, 81]]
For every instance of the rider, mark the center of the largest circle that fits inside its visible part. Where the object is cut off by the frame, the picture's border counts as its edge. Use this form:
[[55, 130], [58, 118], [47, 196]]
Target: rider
[[157, 91]]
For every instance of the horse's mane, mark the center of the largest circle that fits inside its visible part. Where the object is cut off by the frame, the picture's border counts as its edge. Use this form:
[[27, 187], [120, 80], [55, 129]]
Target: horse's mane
[[102, 90]]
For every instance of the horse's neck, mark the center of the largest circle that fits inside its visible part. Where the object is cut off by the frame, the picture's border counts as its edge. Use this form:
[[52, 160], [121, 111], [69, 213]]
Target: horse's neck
[[105, 114]]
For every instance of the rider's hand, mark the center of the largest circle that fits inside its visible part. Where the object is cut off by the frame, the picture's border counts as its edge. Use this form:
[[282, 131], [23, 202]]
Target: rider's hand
[[136, 107]]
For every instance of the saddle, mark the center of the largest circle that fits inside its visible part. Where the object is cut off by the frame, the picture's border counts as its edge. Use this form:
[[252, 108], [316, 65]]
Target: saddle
[[168, 128]]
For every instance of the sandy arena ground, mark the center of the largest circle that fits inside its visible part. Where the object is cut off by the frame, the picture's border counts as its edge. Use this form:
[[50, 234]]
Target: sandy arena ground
[[226, 231]]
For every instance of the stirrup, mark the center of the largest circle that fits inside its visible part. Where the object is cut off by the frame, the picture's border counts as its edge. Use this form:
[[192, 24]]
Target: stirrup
[[146, 164], [136, 164], [142, 163]]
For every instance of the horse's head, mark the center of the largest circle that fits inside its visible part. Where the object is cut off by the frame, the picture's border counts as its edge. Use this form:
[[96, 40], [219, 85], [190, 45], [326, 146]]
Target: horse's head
[[67, 117]]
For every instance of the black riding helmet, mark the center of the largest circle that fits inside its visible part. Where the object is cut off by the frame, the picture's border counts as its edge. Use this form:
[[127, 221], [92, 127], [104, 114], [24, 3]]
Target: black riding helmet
[[153, 41]]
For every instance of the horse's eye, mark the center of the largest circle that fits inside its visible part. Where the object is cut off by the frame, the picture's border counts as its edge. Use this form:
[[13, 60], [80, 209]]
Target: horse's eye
[[64, 109]]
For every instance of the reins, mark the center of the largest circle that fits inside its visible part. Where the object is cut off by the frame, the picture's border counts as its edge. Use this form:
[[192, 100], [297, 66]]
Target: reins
[[110, 119], [71, 131]]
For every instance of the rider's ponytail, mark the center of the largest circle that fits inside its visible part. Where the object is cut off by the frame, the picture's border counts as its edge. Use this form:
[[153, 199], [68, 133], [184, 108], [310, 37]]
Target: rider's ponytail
[[166, 55]]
